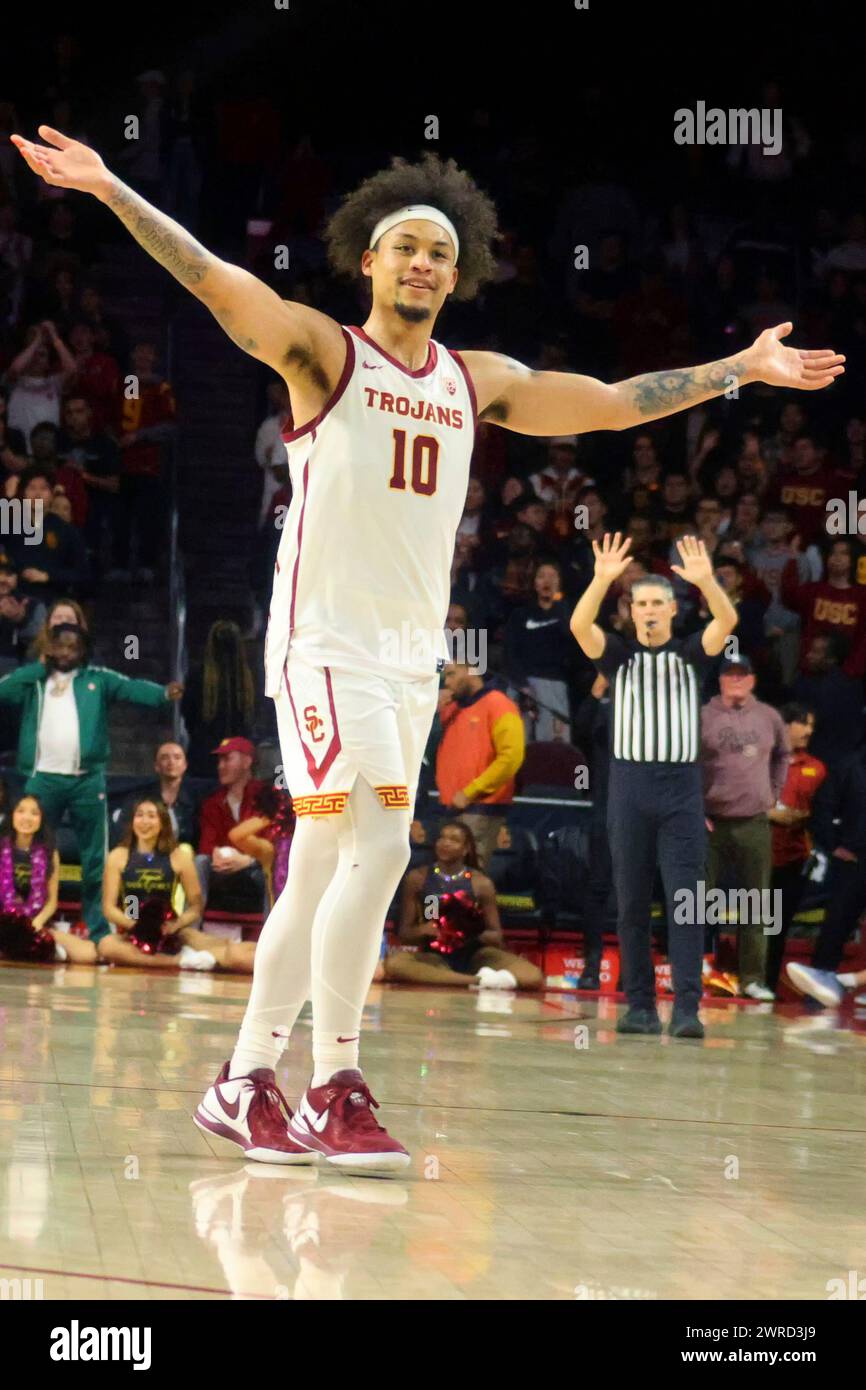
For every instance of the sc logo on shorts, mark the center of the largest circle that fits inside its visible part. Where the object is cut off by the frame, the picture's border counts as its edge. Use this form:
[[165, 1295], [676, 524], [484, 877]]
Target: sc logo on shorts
[[314, 723]]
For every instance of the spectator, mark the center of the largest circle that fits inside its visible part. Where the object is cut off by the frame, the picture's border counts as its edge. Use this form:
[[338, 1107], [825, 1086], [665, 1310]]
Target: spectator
[[146, 424], [13, 448], [267, 836], [109, 335], [63, 610], [806, 485], [559, 482], [96, 458], [179, 800], [220, 699], [745, 762], [63, 744], [481, 750], [839, 828], [751, 609], [19, 620], [44, 441], [448, 912], [789, 820], [50, 557], [676, 506], [38, 376], [29, 889], [97, 375], [836, 698], [538, 651], [270, 448], [229, 878], [835, 604]]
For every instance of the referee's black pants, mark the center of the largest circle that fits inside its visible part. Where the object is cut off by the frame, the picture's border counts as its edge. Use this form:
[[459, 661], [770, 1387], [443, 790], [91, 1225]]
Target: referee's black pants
[[655, 816]]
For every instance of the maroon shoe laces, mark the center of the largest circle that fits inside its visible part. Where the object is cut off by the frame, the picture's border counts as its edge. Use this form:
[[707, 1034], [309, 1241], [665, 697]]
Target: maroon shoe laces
[[269, 1097], [358, 1114]]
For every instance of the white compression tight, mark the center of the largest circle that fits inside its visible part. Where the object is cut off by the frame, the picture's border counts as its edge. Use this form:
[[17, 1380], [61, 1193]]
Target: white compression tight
[[322, 938]]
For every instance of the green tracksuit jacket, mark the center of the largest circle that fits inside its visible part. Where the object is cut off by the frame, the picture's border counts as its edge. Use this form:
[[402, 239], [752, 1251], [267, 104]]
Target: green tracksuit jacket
[[95, 688]]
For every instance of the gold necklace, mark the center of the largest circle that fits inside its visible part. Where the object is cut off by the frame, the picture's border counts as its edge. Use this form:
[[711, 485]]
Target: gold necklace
[[61, 684]]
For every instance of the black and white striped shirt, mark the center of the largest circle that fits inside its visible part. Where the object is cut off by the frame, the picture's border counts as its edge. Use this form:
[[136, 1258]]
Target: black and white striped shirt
[[655, 698]]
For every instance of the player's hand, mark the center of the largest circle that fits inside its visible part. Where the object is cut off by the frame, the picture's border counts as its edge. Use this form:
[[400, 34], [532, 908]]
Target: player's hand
[[63, 162], [173, 690], [460, 801], [611, 556], [807, 370], [697, 567]]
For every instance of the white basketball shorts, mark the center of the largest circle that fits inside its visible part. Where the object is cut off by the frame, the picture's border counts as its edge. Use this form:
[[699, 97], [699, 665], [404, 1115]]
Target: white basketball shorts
[[334, 724]]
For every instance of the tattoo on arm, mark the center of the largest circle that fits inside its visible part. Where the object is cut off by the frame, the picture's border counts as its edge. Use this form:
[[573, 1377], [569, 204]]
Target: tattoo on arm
[[173, 247], [658, 391], [161, 237]]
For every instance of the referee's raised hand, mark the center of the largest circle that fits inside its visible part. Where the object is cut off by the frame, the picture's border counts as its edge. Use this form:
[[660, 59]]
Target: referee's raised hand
[[696, 567], [612, 557]]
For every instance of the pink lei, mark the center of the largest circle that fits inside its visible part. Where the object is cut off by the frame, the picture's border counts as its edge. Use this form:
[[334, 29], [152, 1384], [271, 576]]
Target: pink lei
[[10, 899]]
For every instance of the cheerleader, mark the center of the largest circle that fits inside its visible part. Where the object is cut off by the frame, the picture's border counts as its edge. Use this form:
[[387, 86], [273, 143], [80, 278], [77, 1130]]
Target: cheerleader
[[143, 877], [267, 836], [29, 883], [449, 913]]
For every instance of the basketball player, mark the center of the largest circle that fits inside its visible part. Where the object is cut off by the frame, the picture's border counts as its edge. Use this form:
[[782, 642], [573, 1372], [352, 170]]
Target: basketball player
[[383, 424]]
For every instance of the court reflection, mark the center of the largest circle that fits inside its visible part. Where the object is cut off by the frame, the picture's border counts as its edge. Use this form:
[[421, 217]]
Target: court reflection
[[287, 1233]]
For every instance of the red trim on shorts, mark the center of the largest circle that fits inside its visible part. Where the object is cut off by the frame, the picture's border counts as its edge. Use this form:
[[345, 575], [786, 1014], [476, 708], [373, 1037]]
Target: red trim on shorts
[[422, 371], [289, 436], [316, 774]]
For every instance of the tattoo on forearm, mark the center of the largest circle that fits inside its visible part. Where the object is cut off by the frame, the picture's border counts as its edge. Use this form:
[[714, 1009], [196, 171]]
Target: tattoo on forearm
[[174, 248], [658, 391], [162, 237]]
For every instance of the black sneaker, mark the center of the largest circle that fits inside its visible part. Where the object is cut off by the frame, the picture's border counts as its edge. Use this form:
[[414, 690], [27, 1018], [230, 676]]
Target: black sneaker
[[639, 1021], [589, 980], [685, 1025]]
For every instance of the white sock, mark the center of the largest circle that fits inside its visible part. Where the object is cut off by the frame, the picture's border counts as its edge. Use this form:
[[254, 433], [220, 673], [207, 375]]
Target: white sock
[[191, 959], [261, 1047], [331, 1055]]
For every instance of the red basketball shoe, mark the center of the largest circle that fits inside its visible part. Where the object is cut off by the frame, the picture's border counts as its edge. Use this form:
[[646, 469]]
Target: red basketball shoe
[[336, 1121], [252, 1112]]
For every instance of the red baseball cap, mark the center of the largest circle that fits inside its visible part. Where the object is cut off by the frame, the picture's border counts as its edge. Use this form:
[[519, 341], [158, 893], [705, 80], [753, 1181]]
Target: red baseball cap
[[236, 745]]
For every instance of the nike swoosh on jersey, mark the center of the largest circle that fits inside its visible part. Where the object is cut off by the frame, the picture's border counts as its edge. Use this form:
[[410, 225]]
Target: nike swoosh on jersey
[[373, 366], [531, 623], [355, 1039]]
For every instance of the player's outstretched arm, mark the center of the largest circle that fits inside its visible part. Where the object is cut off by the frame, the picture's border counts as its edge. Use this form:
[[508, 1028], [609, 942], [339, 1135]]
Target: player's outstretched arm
[[612, 558], [545, 403], [288, 337]]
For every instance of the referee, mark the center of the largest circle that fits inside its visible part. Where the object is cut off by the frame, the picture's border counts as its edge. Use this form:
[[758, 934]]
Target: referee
[[655, 809]]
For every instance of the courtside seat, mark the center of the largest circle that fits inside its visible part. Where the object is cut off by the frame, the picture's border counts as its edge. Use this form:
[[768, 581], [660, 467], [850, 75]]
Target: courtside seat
[[549, 769]]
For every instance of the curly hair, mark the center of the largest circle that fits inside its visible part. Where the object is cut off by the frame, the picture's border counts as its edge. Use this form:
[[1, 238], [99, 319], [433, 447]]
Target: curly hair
[[434, 181]]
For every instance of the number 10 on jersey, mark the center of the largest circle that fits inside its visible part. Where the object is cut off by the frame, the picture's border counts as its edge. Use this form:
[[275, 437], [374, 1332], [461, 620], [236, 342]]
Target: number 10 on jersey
[[425, 459]]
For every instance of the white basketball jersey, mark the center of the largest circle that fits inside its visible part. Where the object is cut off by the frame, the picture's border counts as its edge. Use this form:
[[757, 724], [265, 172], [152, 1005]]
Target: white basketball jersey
[[379, 479]]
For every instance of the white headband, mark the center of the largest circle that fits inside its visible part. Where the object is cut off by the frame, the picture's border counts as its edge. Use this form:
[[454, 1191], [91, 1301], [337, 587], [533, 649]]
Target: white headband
[[418, 210]]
